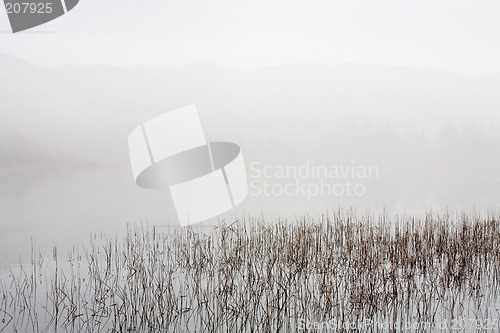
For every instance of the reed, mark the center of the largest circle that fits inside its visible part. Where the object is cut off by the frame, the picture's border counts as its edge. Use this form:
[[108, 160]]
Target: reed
[[257, 276]]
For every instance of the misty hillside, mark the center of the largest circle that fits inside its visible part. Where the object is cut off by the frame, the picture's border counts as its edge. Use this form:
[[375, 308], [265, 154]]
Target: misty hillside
[[433, 135], [85, 113]]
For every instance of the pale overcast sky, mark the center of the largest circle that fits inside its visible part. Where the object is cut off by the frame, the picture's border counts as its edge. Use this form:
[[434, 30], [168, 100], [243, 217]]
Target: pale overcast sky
[[451, 35]]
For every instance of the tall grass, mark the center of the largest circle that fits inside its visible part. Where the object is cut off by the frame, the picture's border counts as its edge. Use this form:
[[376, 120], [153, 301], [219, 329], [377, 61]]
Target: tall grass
[[256, 276]]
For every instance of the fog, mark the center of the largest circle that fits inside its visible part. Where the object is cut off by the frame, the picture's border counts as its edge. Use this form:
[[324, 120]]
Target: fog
[[433, 136], [455, 35]]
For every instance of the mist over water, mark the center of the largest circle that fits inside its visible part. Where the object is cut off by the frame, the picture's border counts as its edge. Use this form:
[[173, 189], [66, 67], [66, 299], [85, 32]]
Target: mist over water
[[433, 137]]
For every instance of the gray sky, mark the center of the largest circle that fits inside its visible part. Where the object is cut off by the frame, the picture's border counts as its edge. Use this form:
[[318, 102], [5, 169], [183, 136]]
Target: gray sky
[[451, 35]]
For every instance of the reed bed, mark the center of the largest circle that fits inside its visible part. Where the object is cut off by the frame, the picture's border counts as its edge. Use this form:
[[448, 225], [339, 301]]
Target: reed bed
[[258, 276]]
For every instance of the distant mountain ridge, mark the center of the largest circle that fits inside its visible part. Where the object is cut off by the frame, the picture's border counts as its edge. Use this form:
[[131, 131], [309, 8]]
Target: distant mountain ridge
[[86, 112]]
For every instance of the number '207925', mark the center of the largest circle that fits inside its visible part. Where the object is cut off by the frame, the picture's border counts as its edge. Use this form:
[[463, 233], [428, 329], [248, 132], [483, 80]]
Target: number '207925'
[[28, 7]]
